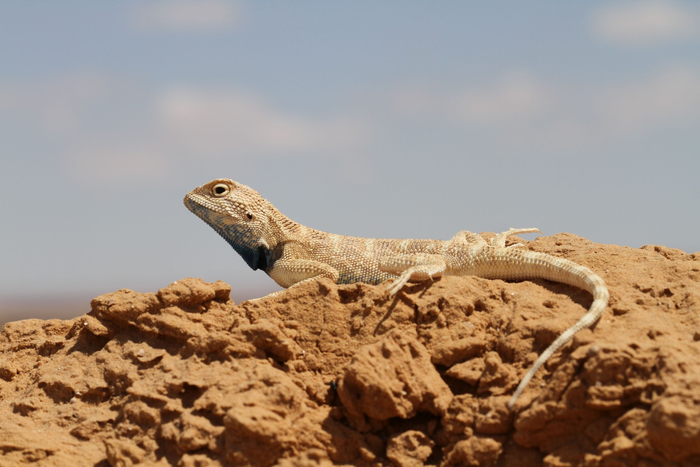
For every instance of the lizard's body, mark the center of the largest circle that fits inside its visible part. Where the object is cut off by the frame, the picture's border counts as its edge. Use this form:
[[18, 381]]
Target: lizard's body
[[291, 253]]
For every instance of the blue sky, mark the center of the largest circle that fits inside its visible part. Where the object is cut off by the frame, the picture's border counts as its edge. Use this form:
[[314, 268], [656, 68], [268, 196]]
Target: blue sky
[[377, 119]]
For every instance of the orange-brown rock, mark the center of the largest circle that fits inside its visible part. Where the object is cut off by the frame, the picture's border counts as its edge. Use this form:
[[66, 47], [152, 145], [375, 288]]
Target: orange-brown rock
[[341, 375]]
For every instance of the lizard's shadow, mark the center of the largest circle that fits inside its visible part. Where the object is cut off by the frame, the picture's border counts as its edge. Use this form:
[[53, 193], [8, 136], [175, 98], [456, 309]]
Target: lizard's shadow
[[578, 296], [403, 296]]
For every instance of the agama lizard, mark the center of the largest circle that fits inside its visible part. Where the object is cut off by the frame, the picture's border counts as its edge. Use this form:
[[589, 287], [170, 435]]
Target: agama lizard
[[291, 254]]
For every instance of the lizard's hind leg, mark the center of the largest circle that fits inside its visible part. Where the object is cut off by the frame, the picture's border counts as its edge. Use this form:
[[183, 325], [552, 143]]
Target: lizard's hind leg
[[469, 238], [499, 241]]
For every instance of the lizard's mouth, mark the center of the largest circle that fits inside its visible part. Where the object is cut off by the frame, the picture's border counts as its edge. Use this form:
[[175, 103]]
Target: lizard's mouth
[[188, 202], [196, 203]]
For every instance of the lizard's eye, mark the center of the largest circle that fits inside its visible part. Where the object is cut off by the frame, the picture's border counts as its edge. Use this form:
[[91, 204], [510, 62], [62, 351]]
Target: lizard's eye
[[220, 189]]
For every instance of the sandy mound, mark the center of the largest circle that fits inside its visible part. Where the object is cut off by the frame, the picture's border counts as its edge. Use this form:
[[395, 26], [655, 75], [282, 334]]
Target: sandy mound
[[328, 374]]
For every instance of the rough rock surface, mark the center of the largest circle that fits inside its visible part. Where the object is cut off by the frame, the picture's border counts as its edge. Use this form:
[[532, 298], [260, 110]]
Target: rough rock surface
[[330, 375]]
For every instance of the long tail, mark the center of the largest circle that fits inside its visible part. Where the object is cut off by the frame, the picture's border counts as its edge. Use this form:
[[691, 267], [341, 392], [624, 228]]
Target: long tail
[[512, 264]]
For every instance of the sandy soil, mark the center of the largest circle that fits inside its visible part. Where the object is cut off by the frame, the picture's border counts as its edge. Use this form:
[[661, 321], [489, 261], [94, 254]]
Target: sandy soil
[[325, 374]]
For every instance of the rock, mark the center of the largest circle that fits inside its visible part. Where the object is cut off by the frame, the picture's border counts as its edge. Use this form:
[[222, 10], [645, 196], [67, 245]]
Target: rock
[[328, 374]]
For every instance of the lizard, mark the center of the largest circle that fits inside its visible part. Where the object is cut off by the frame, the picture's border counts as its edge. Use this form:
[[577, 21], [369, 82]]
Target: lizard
[[292, 254]]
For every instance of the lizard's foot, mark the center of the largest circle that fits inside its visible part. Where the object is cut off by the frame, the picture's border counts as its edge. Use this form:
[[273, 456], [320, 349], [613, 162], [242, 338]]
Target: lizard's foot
[[280, 292], [395, 286], [415, 268], [499, 241], [419, 274], [270, 295]]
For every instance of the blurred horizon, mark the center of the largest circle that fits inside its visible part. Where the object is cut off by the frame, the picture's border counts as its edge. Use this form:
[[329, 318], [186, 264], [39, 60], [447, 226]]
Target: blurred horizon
[[391, 120]]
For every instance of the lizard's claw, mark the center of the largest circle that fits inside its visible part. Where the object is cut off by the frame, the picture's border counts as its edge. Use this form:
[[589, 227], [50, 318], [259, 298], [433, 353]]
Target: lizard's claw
[[397, 285]]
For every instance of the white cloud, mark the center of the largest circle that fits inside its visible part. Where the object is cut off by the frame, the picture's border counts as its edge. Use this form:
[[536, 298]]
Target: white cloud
[[112, 130], [58, 104], [646, 22], [185, 15], [109, 130], [227, 121], [524, 112], [515, 96], [671, 95]]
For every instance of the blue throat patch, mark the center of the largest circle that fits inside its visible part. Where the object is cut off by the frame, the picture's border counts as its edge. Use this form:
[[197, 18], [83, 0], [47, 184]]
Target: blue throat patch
[[256, 255], [257, 258]]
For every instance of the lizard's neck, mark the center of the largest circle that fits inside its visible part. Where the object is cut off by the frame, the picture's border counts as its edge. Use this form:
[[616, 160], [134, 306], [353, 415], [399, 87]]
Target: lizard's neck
[[281, 229], [257, 247]]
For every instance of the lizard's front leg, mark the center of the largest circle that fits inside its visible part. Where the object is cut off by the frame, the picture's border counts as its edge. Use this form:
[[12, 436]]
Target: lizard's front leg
[[415, 268], [291, 272]]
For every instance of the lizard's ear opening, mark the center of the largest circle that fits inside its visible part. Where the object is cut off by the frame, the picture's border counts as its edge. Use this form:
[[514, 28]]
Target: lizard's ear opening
[[220, 190]]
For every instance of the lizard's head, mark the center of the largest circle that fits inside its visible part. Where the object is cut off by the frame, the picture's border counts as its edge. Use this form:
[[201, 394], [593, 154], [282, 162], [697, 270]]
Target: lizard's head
[[237, 213]]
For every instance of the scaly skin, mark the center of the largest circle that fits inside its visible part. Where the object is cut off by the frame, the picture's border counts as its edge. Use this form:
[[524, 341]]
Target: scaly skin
[[291, 254]]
